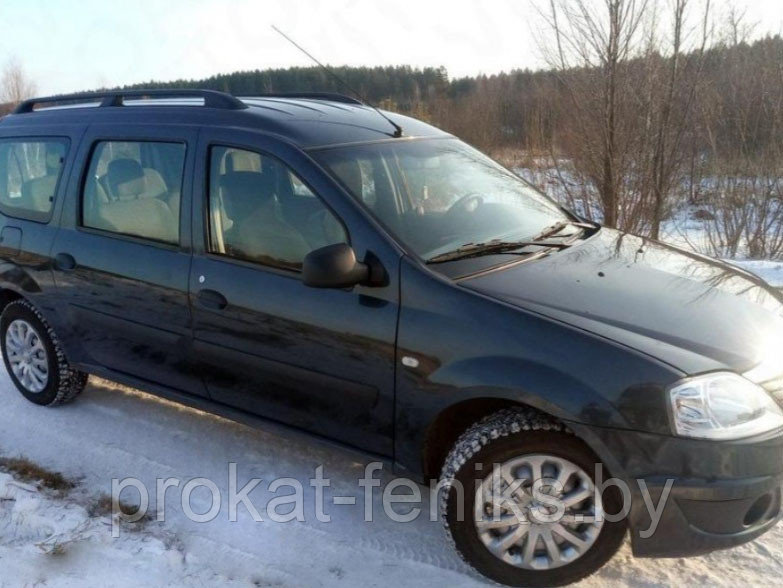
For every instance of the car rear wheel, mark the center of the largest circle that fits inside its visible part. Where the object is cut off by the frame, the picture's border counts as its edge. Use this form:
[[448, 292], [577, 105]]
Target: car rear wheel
[[34, 358], [530, 515]]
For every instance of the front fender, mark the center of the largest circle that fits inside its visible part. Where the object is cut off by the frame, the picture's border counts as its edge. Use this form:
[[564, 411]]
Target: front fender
[[455, 346], [535, 384], [460, 393]]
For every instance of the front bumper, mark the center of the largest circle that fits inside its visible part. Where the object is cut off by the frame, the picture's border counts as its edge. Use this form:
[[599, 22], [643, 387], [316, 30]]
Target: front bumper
[[697, 519], [721, 494]]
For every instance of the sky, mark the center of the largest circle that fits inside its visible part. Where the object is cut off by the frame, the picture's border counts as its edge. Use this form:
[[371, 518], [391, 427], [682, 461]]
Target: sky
[[72, 45]]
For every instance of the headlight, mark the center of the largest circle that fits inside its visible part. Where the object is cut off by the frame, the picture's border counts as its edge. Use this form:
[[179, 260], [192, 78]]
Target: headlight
[[722, 406]]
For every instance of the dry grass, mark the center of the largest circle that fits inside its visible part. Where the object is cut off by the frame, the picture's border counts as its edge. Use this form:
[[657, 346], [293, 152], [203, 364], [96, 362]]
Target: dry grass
[[102, 507], [27, 471]]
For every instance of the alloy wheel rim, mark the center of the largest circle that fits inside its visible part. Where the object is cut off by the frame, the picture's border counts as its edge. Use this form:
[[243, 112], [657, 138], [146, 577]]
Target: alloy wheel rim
[[27, 356], [527, 529]]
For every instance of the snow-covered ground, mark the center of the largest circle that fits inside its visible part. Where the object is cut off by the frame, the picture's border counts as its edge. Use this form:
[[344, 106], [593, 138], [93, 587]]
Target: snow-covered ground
[[113, 432], [688, 238], [682, 231], [770, 271]]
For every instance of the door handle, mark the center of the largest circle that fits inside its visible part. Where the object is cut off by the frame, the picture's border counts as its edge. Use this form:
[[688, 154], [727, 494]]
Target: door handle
[[212, 299], [64, 262]]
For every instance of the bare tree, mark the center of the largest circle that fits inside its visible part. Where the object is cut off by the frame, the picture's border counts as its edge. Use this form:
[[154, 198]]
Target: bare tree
[[627, 100], [15, 86], [591, 53], [739, 173], [671, 111]]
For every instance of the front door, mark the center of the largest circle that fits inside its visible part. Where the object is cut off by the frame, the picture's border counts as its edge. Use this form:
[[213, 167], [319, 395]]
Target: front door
[[321, 360], [122, 257]]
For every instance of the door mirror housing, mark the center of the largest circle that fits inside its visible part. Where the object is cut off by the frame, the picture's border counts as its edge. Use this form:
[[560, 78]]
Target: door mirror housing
[[334, 266]]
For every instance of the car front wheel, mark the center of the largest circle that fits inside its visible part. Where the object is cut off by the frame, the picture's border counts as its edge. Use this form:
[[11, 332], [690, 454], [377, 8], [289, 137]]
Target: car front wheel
[[520, 502]]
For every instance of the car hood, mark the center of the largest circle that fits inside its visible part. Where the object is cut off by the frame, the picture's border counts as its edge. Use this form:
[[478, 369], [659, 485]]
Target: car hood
[[692, 312]]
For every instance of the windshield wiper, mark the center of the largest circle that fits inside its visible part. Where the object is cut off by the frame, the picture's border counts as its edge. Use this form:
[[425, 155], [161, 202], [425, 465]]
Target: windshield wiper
[[496, 246], [509, 247], [493, 247], [559, 226]]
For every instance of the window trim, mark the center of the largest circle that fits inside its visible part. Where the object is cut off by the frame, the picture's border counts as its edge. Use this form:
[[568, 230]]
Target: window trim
[[207, 220], [33, 216], [80, 226]]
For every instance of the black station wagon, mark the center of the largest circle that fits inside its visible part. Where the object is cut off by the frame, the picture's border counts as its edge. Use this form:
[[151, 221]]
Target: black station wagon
[[299, 258]]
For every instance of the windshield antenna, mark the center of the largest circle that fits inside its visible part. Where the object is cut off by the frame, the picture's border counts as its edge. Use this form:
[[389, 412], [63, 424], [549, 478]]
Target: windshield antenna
[[397, 128]]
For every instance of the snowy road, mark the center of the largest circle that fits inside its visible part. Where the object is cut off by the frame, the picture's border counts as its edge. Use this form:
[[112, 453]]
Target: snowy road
[[112, 432]]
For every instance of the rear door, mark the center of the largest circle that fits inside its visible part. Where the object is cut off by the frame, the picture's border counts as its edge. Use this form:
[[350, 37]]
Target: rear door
[[122, 256], [321, 360], [35, 163]]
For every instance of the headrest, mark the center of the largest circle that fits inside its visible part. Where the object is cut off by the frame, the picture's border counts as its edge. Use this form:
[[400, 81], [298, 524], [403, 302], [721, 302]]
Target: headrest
[[244, 192], [125, 178], [237, 161], [54, 156], [350, 172], [154, 184]]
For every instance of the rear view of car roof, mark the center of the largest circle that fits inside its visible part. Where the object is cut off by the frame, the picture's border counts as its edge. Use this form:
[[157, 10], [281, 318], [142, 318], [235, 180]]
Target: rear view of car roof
[[310, 120]]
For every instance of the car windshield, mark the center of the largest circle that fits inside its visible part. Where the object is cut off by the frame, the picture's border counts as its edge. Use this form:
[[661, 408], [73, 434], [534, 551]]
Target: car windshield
[[439, 195]]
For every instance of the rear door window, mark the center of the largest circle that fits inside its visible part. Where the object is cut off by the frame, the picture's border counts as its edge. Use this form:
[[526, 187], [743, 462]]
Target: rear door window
[[134, 188], [30, 171]]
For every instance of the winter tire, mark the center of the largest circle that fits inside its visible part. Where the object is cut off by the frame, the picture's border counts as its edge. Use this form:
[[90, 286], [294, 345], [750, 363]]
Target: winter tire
[[34, 358], [508, 532]]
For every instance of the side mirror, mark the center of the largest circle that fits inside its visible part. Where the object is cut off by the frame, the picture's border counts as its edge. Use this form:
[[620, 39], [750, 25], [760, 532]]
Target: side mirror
[[334, 266]]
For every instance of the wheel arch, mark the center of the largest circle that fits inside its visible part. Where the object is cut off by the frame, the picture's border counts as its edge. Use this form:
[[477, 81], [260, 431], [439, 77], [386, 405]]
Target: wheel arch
[[495, 383], [450, 423], [7, 296], [17, 279], [446, 427]]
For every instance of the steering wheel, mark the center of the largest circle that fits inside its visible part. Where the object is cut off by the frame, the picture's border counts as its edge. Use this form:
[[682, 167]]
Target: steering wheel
[[467, 203]]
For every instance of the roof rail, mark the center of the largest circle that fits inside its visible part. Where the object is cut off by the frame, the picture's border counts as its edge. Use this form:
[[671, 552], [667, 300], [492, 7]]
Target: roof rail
[[331, 96], [212, 98]]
